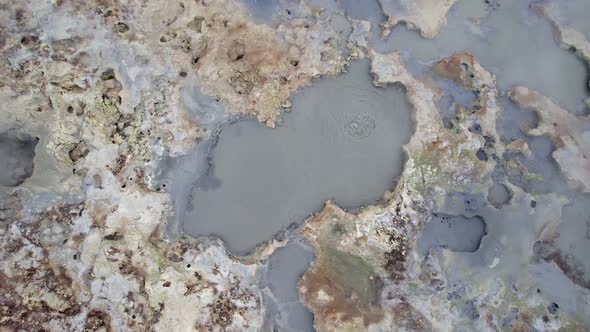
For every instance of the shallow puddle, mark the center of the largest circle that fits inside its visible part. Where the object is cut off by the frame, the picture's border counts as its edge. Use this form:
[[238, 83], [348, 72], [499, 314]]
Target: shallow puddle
[[455, 233], [342, 141], [278, 280], [17, 152]]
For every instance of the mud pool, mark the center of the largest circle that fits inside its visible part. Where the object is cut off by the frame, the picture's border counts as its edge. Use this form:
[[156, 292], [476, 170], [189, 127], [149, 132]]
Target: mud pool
[[455, 233], [278, 279], [17, 151], [261, 180]]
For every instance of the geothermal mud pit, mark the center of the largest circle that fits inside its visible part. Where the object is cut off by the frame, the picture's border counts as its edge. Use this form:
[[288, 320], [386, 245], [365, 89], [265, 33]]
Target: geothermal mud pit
[[341, 141], [294, 165]]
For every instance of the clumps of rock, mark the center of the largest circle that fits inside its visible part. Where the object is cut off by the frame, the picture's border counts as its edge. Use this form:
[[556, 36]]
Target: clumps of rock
[[567, 131], [95, 258], [567, 37], [358, 41], [35, 292], [251, 68], [426, 16]]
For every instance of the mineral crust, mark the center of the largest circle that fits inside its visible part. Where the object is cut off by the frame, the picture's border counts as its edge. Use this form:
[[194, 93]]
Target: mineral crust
[[93, 98], [426, 16]]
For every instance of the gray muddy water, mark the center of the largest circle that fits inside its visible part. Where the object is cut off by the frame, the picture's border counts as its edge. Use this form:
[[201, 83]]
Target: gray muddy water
[[342, 141], [278, 280], [17, 151], [455, 233]]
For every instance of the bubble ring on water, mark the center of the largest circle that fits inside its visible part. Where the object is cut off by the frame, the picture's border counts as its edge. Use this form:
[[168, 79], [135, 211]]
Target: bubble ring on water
[[359, 125]]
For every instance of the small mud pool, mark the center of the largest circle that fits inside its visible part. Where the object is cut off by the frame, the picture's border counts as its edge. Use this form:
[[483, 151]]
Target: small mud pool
[[17, 152], [278, 280], [342, 141], [455, 233]]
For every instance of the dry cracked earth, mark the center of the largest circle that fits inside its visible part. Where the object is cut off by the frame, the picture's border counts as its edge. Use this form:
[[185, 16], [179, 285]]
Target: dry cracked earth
[[294, 165]]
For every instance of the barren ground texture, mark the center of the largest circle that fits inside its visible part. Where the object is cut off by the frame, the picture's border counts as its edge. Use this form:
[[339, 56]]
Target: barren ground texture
[[90, 97]]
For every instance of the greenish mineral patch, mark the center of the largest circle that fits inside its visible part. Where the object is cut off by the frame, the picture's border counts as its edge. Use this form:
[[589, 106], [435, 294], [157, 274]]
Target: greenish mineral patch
[[353, 273], [108, 74], [108, 110], [339, 229]]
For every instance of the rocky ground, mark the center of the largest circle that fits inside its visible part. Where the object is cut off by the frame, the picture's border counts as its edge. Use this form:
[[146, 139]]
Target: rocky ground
[[91, 102]]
